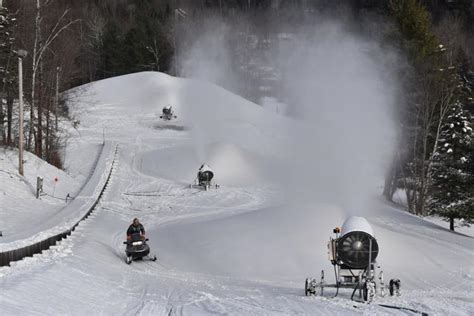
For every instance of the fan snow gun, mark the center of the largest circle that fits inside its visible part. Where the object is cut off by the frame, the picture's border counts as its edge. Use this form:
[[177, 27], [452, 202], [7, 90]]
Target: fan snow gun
[[204, 178], [353, 254], [168, 113]]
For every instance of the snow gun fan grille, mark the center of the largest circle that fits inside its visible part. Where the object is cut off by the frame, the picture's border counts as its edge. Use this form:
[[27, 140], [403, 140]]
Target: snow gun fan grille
[[205, 175], [353, 249]]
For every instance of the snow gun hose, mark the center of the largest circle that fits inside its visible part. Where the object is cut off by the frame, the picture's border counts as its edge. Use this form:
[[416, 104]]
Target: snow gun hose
[[404, 308]]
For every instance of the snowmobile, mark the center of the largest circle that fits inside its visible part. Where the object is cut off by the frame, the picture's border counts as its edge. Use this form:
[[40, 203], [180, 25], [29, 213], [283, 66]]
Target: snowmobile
[[137, 248], [168, 113], [204, 178]]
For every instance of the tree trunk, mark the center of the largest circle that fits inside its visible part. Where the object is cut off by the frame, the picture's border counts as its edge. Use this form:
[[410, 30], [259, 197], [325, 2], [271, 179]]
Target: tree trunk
[[389, 186], [33, 73], [410, 199], [9, 119], [48, 136], [2, 122], [39, 132], [451, 223]]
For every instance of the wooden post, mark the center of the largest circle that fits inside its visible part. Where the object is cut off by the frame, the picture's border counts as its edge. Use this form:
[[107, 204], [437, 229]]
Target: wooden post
[[39, 186]]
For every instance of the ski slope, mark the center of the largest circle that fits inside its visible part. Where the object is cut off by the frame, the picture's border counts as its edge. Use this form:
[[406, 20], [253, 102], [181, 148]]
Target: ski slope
[[242, 249]]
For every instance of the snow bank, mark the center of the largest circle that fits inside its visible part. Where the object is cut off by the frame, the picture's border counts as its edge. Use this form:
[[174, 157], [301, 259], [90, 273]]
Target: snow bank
[[64, 218], [20, 211]]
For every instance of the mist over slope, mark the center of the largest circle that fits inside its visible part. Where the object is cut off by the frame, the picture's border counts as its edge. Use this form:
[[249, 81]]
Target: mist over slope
[[340, 88]]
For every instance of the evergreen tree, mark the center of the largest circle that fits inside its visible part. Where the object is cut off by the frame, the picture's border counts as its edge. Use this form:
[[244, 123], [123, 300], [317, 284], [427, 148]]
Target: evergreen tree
[[148, 40], [414, 26], [453, 182], [143, 46], [422, 106], [7, 22], [8, 73], [112, 52]]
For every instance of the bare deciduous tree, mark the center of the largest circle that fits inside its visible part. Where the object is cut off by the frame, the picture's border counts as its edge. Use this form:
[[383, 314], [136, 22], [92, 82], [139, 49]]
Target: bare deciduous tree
[[42, 43]]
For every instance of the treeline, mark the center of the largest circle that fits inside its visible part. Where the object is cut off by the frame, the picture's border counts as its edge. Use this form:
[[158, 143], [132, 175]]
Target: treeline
[[434, 160], [134, 36], [70, 43]]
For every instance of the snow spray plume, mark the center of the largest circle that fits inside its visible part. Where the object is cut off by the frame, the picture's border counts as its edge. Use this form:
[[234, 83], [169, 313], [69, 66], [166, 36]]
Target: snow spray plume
[[336, 83], [340, 90], [208, 59]]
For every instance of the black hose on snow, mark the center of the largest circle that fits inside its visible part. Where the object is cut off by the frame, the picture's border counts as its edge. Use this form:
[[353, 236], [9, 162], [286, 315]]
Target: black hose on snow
[[404, 308]]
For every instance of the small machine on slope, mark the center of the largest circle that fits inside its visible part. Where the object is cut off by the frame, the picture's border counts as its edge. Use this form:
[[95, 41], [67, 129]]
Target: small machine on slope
[[204, 178], [353, 253], [137, 248], [168, 113]]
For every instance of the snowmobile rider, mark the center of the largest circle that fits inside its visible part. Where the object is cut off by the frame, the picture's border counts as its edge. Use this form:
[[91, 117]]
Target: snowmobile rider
[[134, 228]]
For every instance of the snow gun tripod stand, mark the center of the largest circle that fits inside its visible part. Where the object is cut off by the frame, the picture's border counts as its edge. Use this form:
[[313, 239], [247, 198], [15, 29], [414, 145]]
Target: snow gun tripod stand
[[352, 254]]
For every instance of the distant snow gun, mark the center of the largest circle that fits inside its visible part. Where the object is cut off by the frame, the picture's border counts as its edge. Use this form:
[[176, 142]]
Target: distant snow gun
[[168, 113], [204, 178], [353, 253]]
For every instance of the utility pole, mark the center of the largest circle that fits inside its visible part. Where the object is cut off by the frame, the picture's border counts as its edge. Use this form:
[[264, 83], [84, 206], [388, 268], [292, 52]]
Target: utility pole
[[21, 54], [56, 100]]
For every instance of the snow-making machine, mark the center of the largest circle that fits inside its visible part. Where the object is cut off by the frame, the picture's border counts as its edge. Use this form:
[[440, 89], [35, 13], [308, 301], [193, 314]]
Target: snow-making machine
[[168, 113], [353, 253], [204, 178]]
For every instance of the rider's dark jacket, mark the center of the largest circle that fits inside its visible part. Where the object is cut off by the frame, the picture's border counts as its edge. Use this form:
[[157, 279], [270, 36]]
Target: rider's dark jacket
[[135, 229]]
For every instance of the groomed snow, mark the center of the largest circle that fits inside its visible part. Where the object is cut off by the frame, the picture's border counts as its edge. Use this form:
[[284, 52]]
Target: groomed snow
[[242, 249]]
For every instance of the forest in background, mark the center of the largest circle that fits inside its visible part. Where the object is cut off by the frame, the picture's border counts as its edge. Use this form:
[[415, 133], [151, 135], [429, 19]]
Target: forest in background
[[70, 43]]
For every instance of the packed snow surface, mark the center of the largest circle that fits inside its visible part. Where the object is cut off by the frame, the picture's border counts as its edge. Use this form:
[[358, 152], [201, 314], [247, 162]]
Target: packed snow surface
[[242, 249]]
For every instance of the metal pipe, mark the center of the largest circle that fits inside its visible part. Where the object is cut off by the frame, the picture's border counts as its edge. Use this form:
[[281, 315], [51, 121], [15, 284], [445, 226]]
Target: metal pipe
[[370, 257]]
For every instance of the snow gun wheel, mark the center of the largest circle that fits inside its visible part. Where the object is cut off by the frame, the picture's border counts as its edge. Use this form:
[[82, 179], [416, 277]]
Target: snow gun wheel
[[306, 288], [128, 260], [394, 287], [322, 283], [310, 287], [153, 258]]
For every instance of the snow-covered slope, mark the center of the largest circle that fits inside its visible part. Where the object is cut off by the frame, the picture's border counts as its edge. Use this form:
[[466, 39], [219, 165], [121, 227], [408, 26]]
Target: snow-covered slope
[[20, 211], [244, 248]]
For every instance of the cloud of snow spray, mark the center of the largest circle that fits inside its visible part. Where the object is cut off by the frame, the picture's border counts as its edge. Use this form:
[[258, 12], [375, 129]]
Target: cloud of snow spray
[[340, 86], [209, 59], [341, 91]]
